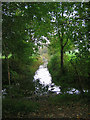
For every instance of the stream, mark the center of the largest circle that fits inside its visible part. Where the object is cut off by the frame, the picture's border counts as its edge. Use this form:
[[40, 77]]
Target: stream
[[43, 81], [44, 84]]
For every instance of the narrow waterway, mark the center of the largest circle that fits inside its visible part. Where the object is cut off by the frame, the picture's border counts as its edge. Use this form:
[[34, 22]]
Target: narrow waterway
[[44, 85], [43, 81]]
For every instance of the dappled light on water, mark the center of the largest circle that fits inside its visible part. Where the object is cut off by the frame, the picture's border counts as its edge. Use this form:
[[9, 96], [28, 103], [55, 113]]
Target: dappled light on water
[[43, 75], [44, 78]]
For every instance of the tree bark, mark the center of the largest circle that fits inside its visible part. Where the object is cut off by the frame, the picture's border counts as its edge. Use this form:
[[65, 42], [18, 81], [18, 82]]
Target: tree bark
[[62, 44], [62, 55], [62, 47], [6, 58], [8, 71]]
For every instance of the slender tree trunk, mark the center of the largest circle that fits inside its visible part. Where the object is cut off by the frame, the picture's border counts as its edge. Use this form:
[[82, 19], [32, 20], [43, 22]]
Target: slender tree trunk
[[8, 68], [62, 40], [8, 71], [62, 55], [61, 37]]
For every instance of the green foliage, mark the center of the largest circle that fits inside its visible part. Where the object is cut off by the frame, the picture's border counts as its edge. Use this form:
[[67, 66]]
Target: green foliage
[[71, 56], [19, 46], [70, 34], [54, 68], [14, 75], [22, 81], [76, 72], [24, 24]]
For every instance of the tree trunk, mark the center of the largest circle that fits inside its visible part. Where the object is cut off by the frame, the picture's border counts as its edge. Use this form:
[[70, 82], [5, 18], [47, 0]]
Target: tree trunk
[[8, 71], [62, 59], [62, 30], [6, 58]]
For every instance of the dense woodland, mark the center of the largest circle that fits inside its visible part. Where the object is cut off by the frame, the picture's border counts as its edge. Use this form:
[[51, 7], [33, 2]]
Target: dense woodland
[[63, 27]]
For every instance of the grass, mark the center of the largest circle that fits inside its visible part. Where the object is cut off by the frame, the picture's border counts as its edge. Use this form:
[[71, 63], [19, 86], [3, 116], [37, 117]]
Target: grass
[[16, 108], [66, 99], [13, 107]]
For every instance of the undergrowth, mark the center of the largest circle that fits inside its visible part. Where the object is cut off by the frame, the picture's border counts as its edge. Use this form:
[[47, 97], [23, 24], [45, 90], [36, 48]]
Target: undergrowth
[[14, 107], [66, 99]]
